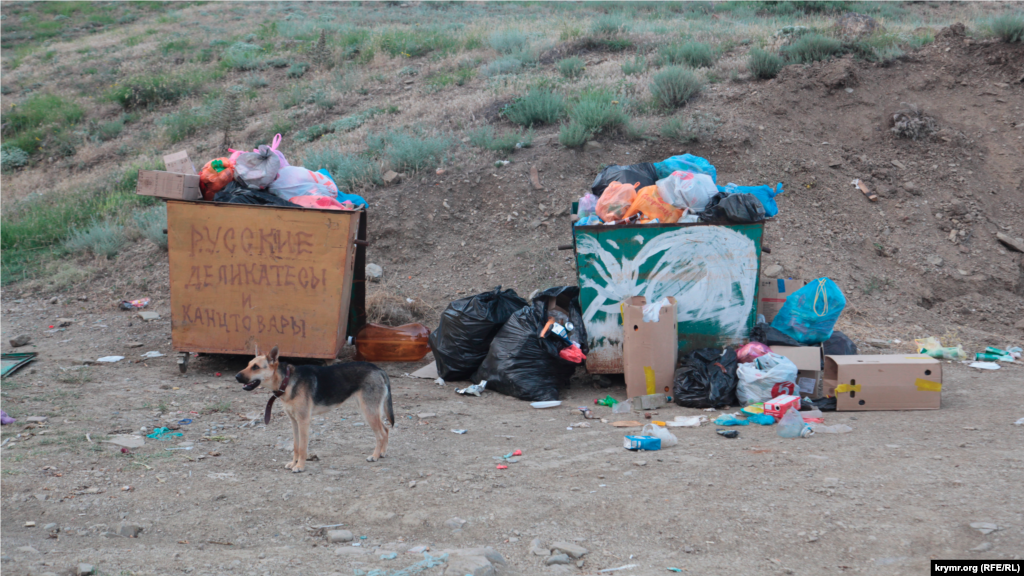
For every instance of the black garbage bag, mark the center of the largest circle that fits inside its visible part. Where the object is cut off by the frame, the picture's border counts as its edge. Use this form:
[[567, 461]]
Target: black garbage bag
[[824, 404], [707, 379], [643, 173], [522, 364], [467, 326], [764, 333], [235, 193], [839, 345], [740, 208]]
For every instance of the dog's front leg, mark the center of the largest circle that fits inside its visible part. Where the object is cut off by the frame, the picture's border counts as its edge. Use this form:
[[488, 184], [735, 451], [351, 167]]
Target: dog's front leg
[[295, 442], [302, 424]]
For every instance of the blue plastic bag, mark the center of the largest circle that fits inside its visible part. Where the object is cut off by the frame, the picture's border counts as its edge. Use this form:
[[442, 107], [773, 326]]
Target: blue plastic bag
[[810, 313], [762, 419], [355, 199], [730, 420], [763, 193], [684, 163]]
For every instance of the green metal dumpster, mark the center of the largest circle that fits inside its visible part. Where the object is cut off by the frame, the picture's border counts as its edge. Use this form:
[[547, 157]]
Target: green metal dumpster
[[710, 269]]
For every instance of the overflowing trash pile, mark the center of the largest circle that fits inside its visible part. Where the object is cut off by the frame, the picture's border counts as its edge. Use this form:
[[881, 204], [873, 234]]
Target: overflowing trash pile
[[681, 189], [264, 177]]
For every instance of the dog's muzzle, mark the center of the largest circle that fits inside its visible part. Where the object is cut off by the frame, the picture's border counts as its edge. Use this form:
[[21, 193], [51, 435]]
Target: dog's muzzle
[[251, 385]]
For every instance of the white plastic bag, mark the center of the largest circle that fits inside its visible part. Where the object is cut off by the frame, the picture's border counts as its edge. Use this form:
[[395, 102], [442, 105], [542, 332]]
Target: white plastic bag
[[687, 422], [792, 425], [684, 189], [624, 407], [667, 438], [757, 378], [258, 169], [295, 181], [652, 310]]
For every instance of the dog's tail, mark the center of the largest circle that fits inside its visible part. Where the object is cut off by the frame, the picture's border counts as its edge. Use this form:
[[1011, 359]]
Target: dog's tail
[[387, 389]]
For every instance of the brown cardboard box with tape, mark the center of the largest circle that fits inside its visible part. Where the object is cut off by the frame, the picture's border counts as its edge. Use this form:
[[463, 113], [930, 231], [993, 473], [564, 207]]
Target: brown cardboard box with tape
[[649, 345], [884, 382]]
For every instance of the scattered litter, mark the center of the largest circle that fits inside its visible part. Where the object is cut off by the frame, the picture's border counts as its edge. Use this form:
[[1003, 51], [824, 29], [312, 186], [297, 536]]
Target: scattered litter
[[984, 365], [502, 467], [863, 188], [474, 390], [730, 420], [671, 569], [625, 567], [126, 441], [626, 424], [648, 443], [728, 433], [1019, 422], [687, 422], [459, 431], [547, 404], [763, 419], [153, 354], [179, 448], [185, 421], [163, 434], [835, 429], [134, 304], [149, 316], [606, 401], [389, 556], [5, 419], [12, 362], [110, 359], [439, 381]]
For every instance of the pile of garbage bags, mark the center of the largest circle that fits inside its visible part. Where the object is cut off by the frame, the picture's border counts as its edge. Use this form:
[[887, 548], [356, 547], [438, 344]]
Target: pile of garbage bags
[[526, 350], [265, 177], [680, 189]]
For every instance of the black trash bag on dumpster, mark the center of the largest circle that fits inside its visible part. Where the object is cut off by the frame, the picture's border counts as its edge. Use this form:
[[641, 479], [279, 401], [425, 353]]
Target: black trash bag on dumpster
[[522, 364], [235, 193], [764, 333], [707, 379], [725, 207], [839, 344], [643, 173], [467, 326]]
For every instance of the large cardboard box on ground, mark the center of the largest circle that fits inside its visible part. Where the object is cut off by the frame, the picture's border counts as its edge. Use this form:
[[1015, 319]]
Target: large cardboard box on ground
[[772, 294], [808, 364], [652, 345], [884, 382], [168, 185]]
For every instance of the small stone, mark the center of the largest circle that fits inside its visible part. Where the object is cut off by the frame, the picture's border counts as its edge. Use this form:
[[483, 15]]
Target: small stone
[[83, 298], [36, 419], [374, 272], [983, 547], [134, 344], [878, 343], [425, 415], [53, 300], [412, 484], [64, 322], [1011, 243], [640, 463], [934, 260], [335, 536], [593, 145], [19, 341], [392, 177], [984, 527], [418, 549], [580, 563], [469, 566], [147, 316], [129, 530], [831, 482], [912, 188], [27, 550], [52, 526], [537, 549], [535, 224], [898, 164], [835, 163], [557, 559], [30, 524], [773, 271], [574, 550], [84, 569], [455, 523]]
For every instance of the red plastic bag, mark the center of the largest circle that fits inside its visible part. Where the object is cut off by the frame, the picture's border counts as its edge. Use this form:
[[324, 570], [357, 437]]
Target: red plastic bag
[[614, 203], [572, 354], [748, 352], [217, 174], [325, 202]]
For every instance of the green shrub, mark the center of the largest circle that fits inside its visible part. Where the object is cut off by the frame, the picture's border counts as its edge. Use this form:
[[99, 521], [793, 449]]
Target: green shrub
[[186, 123], [485, 137], [39, 110], [508, 41], [458, 77], [12, 157], [692, 54], [503, 65], [571, 68], [538, 107], [418, 42], [348, 170], [101, 238], [635, 67], [110, 130], [919, 41], [597, 111], [298, 69], [674, 86], [242, 56], [812, 48], [149, 90], [763, 64], [637, 130], [609, 25], [573, 135], [291, 96], [700, 126], [151, 224], [254, 81], [1008, 27], [409, 152]]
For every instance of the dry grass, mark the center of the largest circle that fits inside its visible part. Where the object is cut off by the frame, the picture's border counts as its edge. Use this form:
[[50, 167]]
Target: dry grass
[[384, 307]]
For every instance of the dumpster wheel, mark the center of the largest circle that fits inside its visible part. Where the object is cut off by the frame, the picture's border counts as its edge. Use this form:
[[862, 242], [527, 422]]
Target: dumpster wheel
[[183, 362]]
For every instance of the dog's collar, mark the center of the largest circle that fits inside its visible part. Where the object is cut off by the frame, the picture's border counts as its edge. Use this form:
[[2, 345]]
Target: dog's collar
[[278, 393]]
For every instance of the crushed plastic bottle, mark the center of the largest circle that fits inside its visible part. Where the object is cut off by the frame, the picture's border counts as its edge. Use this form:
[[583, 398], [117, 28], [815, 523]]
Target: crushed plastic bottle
[[474, 390]]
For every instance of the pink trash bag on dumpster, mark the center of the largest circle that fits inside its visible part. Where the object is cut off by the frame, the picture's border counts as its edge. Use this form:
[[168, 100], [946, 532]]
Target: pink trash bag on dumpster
[[322, 202], [273, 147], [297, 181], [748, 352]]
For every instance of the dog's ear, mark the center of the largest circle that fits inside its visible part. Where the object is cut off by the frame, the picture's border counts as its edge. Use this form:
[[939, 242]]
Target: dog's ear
[[272, 356]]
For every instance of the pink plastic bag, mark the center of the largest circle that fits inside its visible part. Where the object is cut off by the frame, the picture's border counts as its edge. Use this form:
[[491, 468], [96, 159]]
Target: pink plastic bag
[[748, 352], [273, 147], [297, 181], [322, 202]]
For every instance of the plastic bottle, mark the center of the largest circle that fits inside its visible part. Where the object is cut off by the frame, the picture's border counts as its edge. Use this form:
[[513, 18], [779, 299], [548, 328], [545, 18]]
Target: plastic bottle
[[987, 357], [407, 343], [606, 401], [949, 353]]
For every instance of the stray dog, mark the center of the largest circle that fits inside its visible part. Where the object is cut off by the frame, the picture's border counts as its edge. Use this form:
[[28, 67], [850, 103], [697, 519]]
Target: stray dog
[[307, 391]]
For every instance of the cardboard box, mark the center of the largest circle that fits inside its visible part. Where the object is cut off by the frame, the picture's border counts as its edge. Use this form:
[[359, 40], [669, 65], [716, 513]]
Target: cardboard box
[[808, 364], [772, 294], [180, 163], [168, 185], [884, 382], [779, 405], [650, 346]]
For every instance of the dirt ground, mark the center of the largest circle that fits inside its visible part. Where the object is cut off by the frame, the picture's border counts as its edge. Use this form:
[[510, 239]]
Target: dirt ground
[[902, 488]]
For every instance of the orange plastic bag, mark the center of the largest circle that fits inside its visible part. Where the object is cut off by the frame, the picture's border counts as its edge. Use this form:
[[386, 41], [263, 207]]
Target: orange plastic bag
[[615, 201], [217, 174], [649, 202]]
